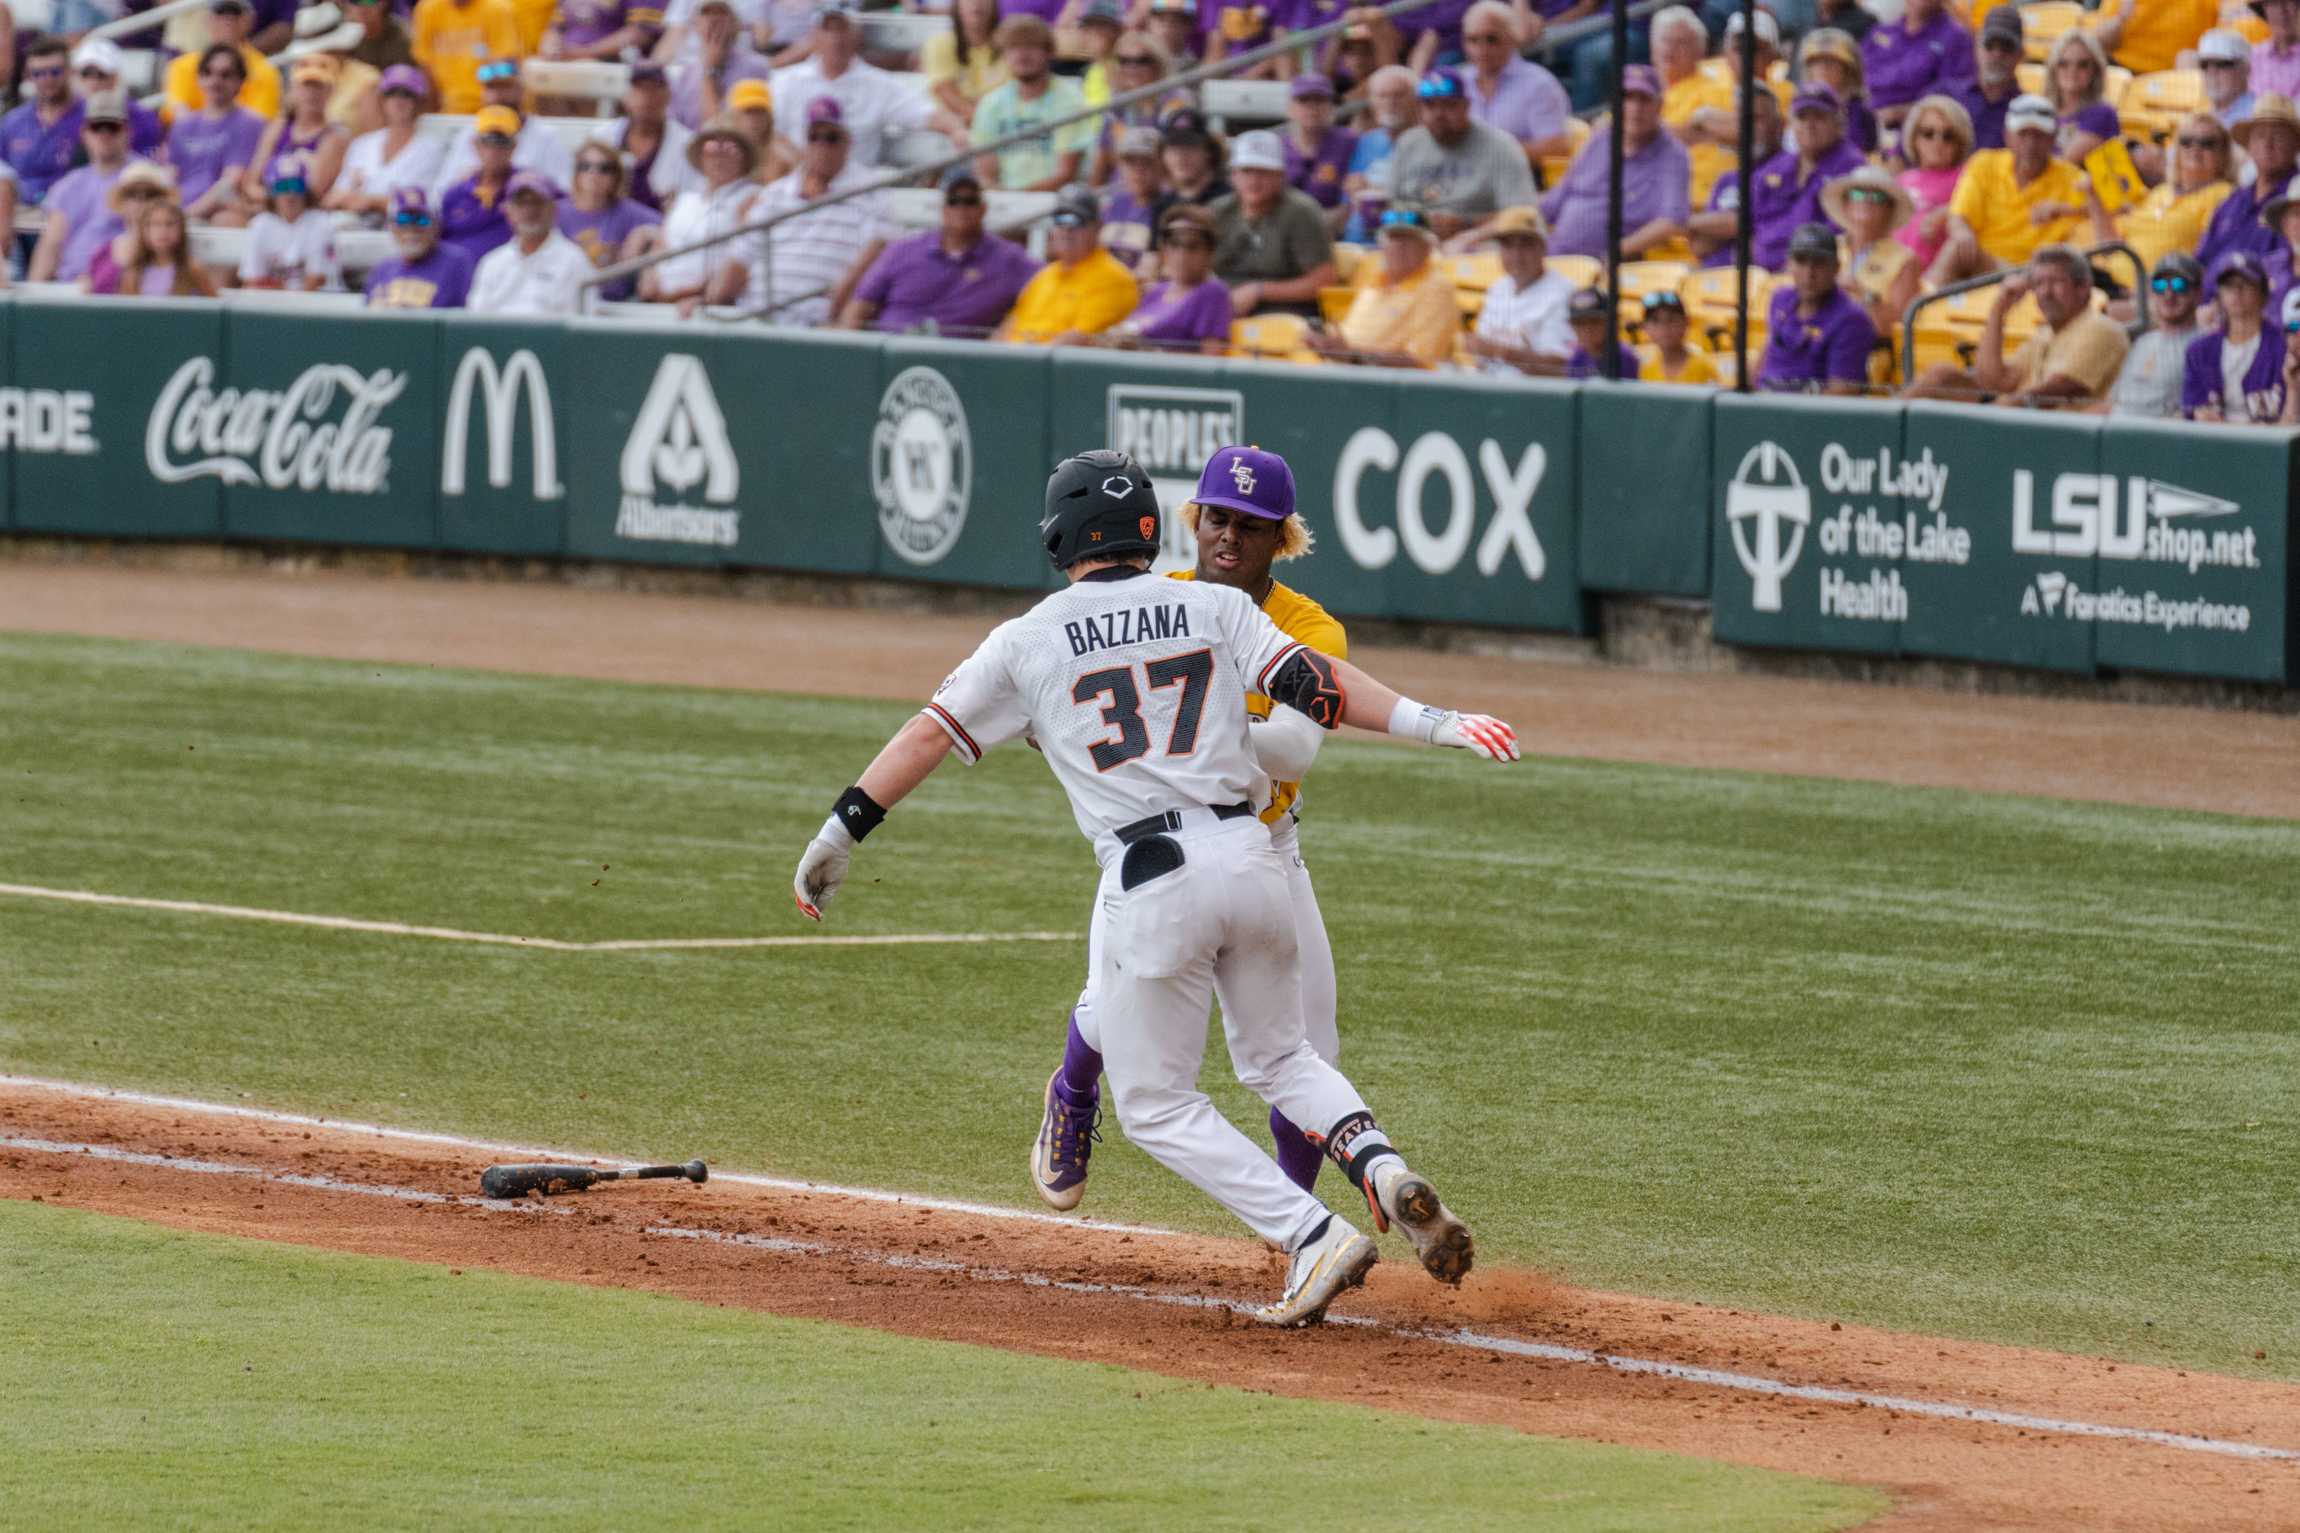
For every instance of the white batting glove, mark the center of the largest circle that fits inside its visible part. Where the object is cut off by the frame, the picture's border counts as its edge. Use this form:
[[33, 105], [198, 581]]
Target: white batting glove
[[1479, 732], [822, 869]]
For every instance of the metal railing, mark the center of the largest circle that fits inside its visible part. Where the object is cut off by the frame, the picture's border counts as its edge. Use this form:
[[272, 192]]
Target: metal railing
[[1991, 278], [1293, 41]]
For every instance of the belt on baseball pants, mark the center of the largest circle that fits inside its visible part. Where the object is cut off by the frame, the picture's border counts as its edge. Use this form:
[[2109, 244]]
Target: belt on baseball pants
[[1174, 819]]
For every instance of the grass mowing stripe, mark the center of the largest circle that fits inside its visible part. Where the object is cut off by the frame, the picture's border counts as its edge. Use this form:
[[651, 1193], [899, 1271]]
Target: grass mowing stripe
[[204, 1380], [1949, 1063]]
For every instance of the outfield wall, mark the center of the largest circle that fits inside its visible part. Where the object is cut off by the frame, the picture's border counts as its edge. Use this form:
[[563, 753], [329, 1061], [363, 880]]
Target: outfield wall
[[1827, 525]]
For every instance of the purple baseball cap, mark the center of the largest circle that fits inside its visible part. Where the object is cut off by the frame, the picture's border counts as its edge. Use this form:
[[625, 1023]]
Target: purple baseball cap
[[825, 109], [410, 199], [408, 78], [1813, 96], [530, 181], [1250, 480], [2240, 263], [1312, 85], [1641, 80]]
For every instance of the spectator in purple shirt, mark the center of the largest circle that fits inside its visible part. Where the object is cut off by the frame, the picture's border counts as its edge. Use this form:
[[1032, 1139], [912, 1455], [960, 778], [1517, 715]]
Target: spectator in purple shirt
[[604, 224], [2076, 83], [1817, 336], [40, 140], [1237, 26], [955, 280], [2276, 61], [1131, 213], [1508, 92], [1174, 23], [602, 29], [1715, 231], [1190, 308], [1585, 313], [425, 274], [211, 149], [471, 212], [79, 218], [1786, 192], [1655, 176], [1925, 52], [2236, 373], [1317, 152], [1989, 94], [2271, 137]]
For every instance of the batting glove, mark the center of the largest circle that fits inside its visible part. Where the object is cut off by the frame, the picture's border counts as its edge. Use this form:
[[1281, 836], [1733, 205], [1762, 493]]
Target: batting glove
[[1482, 733], [822, 869]]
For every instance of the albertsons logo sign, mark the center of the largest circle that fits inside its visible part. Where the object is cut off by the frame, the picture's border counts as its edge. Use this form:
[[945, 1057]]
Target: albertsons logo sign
[[677, 447]]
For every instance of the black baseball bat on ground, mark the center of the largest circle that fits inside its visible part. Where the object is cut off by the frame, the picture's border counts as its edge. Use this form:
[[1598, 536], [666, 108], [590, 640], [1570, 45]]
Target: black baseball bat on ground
[[518, 1181]]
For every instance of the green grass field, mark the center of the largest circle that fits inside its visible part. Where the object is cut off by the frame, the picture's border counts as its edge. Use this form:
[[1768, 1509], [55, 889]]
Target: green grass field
[[159, 1378], [2001, 1068]]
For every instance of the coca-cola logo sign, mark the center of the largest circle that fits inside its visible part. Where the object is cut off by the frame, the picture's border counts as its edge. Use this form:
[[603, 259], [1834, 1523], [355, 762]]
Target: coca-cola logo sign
[[318, 433]]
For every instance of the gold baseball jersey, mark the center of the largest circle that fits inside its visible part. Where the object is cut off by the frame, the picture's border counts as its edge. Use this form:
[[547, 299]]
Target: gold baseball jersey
[[1305, 622]]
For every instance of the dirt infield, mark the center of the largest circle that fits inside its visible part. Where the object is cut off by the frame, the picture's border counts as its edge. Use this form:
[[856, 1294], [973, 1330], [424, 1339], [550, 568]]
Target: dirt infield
[[2185, 758], [1156, 1302]]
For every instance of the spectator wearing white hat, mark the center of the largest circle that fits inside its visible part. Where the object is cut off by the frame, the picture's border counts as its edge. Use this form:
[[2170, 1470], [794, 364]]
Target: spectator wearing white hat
[[2011, 201], [1270, 241], [1522, 325], [540, 271], [2224, 58], [96, 66], [1879, 271]]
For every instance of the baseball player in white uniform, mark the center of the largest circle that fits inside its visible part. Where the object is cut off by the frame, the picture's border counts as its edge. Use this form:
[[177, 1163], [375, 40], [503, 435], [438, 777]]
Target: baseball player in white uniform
[[1135, 689]]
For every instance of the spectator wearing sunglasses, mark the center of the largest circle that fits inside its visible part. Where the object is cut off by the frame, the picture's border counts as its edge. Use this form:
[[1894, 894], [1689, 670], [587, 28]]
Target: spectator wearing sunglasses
[[1936, 140], [1082, 291], [606, 225], [2176, 212], [1655, 175], [1139, 60], [957, 280], [212, 148], [397, 154], [1408, 315], [807, 266], [1877, 269], [229, 23], [1189, 308], [1271, 245], [1995, 82], [1785, 194], [2235, 375], [96, 66], [40, 140], [1458, 170], [471, 212], [1508, 93], [2224, 59], [2155, 366], [534, 146], [423, 273], [79, 221], [454, 39]]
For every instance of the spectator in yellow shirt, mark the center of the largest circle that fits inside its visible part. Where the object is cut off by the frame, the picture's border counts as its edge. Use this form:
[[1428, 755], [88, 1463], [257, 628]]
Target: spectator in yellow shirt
[[1407, 316], [2148, 35], [2175, 214], [228, 24], [1665, 358], [1082, 291], [454, 37], [2011, 201]]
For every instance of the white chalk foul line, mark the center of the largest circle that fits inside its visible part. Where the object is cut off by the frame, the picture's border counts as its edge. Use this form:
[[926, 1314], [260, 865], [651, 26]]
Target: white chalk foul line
[[504, 939], [1463, 1337]]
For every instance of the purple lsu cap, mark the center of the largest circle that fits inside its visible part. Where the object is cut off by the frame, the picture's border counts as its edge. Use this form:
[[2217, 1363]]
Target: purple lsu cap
[[407, 78], [2240, 263], [1250, 480], [410, 199], [1641, 80], [1312, 86], [530, 181], [1813, 96], [825, 109]]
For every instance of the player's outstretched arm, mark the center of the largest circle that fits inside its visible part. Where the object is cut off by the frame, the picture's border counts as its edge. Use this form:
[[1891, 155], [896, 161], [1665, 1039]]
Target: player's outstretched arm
[[1334, 692], [900, 766]]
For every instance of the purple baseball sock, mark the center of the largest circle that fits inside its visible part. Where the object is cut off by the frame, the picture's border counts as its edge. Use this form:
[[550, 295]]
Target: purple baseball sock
[[1297, 1157], [1081, 1079]]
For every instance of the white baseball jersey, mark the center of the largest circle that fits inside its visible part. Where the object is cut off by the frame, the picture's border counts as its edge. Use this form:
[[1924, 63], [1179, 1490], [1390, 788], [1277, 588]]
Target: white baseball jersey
[[1135, 689]]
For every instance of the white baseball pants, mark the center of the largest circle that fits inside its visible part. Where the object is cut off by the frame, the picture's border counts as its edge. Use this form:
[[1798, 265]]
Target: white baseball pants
[[1222, 925]]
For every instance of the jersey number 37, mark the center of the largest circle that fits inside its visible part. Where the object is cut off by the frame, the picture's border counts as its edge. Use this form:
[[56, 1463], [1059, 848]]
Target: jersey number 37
[[1193, 673]]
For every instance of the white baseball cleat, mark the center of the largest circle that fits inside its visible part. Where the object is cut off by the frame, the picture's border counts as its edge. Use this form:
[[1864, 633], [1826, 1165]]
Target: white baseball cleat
[[1321, 1270], [1398, 1196]]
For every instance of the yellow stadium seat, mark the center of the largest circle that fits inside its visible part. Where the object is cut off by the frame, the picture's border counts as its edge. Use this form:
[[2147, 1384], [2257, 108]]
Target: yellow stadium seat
[[2115, 84], [1553, 166], [2031, 77], [1474, 272], [2153, 104], [1269, 335], [1334, 302], [1714, 287], [1641, 277], [2044, 23], [1580, 270], [1347, 259]]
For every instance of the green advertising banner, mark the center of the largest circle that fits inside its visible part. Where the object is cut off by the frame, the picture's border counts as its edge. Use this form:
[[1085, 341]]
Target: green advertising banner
[[802, 409], [25, 424], [2194, 550], [959, 454], [1171, 413], [1641, 445], [652, 474], [335, 434], [1806, 499], [136, 426], [1984, 583], [1310, 416], [1474, 498], [504, 434]]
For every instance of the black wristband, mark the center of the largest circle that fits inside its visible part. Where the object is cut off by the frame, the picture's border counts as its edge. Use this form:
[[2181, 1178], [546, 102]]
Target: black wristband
[[858, 812]]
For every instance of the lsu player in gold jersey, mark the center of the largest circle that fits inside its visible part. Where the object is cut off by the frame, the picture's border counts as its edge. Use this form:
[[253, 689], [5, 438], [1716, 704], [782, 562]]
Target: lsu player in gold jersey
[[1244, 521]]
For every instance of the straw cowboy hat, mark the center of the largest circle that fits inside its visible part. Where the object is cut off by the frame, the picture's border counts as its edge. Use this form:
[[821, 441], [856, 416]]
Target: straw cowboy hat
[[139, 174], [2267, 107], [722, 128], [1867, 178]]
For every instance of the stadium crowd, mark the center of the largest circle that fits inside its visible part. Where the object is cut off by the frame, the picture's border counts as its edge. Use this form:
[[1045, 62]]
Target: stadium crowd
[[1431, 198]]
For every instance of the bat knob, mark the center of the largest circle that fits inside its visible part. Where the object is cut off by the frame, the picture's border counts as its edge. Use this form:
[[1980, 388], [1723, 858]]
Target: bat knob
[[496, 1182], [697, 1172]]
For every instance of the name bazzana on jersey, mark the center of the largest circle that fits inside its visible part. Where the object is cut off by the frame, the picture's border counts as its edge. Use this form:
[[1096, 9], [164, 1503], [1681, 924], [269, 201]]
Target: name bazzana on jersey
[[1127, 625]]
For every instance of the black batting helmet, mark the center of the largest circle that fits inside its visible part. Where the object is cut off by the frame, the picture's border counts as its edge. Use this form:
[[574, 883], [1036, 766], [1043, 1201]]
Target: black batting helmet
[[1099, 504]]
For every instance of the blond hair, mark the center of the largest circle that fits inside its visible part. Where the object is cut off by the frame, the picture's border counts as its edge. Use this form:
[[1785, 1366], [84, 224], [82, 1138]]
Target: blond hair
[[1294, 536]]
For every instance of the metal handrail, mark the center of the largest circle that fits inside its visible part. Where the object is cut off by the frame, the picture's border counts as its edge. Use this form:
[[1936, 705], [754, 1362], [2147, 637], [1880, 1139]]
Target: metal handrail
[[143, 20], [1990, 278], [1290, 43]]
